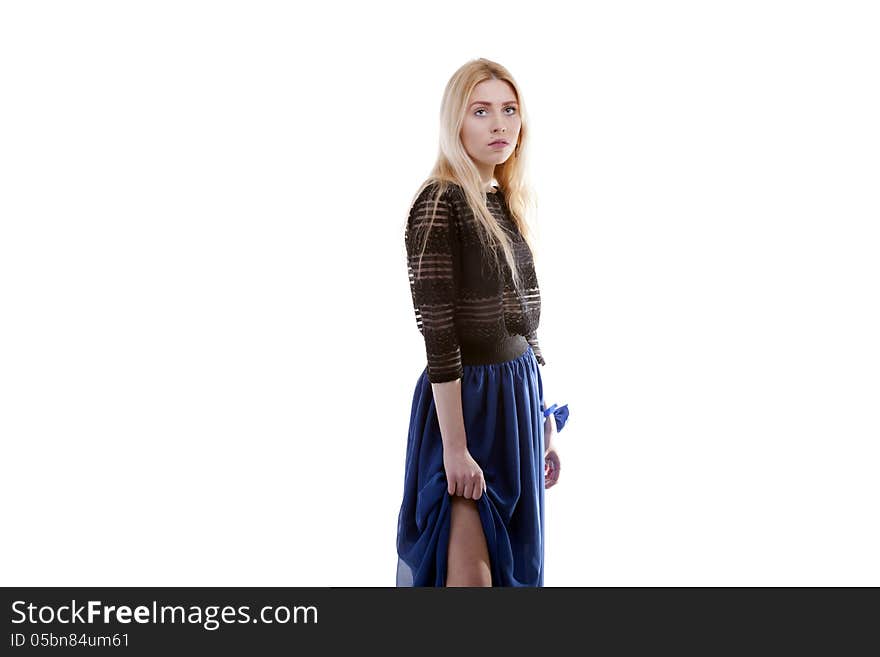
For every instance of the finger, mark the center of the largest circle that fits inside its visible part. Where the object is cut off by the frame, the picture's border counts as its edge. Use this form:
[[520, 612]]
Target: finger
[[477, 485]]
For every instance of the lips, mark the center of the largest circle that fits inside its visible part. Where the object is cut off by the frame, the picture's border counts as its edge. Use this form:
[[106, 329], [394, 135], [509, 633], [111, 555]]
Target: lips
[[499, 141]]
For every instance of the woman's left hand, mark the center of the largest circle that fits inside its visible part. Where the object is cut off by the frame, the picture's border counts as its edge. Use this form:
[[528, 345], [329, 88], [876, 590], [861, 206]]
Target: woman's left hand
[[551, 467], [551, 456]]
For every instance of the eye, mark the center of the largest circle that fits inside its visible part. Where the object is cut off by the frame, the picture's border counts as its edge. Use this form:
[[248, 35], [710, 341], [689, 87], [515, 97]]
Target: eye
[[510, 107]]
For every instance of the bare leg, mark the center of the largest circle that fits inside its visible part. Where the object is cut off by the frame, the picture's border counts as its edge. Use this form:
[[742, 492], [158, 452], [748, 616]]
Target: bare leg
[[468, 558]]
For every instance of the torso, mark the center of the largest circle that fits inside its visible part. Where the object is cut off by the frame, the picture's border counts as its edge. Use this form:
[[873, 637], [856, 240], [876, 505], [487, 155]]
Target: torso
[[491, 319]]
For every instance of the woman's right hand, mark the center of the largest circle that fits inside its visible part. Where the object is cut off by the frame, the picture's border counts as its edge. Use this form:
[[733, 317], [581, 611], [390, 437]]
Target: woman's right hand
[[465, 477]]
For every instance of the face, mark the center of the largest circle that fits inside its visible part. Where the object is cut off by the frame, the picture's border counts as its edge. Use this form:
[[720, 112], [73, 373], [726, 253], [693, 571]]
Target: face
[[492, 114]]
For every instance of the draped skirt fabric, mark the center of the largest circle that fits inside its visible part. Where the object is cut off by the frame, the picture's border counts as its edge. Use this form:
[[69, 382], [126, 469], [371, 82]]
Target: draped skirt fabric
[[501, 404]]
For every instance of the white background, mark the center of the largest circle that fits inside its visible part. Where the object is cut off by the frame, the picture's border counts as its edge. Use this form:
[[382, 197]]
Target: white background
[[207, 346]]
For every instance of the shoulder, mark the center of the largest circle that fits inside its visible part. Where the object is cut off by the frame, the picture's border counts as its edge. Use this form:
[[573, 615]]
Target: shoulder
[[434, 213], [433, 190], [436, 203]]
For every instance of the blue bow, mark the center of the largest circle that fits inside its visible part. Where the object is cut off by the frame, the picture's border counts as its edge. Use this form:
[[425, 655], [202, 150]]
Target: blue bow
[[560, 413]]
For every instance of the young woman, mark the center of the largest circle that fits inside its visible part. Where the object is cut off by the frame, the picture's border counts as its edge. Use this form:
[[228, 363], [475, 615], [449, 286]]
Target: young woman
[[480, 451]]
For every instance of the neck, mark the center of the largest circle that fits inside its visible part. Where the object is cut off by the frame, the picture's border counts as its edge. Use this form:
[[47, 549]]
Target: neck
[[487, 174]]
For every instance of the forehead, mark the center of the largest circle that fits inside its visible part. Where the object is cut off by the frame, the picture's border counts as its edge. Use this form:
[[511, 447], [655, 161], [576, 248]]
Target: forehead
[[492, 91]]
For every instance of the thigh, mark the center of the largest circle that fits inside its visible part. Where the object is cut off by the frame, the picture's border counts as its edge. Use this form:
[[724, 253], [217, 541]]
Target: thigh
[[467, 542]]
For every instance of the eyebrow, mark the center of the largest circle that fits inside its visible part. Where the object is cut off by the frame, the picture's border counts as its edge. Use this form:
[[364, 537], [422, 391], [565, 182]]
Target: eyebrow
[[483, 102]]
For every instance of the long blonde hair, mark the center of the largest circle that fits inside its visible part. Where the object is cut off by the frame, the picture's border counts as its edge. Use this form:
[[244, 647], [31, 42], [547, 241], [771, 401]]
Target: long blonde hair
[[454, 165]]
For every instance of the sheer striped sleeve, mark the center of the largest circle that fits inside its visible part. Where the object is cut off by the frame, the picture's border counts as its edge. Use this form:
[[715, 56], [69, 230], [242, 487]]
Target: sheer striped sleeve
[[433, 281], [533, 341]]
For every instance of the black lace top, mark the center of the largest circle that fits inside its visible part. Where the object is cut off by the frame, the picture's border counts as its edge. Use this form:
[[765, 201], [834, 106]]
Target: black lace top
[[467, 312]]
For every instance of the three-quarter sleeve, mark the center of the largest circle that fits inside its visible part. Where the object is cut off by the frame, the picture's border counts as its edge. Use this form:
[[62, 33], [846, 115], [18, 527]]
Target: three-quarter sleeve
[[433, 281], [532, 338]]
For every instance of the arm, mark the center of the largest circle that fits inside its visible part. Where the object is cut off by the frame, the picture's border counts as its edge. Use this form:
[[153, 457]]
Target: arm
[[432, 275], [549, 432], [447, 398], [551, 455], [533, 341], [549, 422], [432, 272]]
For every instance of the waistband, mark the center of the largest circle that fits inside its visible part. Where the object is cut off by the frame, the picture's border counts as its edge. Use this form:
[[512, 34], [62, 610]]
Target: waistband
[[487, 353]]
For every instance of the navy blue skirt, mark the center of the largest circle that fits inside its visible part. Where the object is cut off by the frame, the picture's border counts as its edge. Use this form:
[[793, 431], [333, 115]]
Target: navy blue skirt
[[501, 404]]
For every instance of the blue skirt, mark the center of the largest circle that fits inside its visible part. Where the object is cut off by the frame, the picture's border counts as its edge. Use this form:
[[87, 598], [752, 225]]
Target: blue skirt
[[501, 404]]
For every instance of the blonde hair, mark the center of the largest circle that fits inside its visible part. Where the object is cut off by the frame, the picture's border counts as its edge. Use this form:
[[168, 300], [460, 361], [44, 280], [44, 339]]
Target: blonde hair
[[455, 166]]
